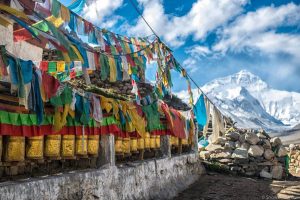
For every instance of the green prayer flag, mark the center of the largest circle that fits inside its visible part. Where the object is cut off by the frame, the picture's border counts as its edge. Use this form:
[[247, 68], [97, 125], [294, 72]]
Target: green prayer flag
[[52, 67], [55, 9]]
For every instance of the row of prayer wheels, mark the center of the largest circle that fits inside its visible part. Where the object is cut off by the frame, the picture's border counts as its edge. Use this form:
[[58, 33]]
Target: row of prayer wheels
[[174, 141], [133, 144], [19, 148]]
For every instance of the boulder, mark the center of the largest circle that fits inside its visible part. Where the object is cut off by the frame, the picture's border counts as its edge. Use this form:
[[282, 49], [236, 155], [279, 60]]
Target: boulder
[[266, 144], [252, 138], [282, 151], [277, 172], [240, 153], [214, 147], [266, 163], [245, 145], [235, 168], [229, 145], [237, 144], [204, 154], [266, 135], [234, 136], [261, 135], [220, 140], [224, 154], [265, 174], [269, 154], [225, 161], [256, 151], [242, 138], [292, 146], [275, 142]]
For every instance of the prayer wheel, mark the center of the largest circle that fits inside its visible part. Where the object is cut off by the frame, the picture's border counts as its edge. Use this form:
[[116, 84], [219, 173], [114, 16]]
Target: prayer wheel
[[152, 142], [1, 147], [118, 145], [126, 145], [140, 143], [68, 146], [133, 144], [81, 145], [175, 141], [184, 142], [93, 144], [157, 141], [35, 147], [52, 146], [15, 149], [147, 141]]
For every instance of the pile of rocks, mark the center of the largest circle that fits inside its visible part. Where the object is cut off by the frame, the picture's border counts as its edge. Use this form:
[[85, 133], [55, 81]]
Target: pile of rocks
[[294, 166], [248, 153]]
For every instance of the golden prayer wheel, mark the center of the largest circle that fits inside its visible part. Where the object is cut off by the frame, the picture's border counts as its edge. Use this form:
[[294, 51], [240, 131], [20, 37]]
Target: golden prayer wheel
[[81, 145], [140, 143], [147, 141], [68, 146], [118, 145], [93, 144], [184, 142], [1, 147], [35, 147], [126, 145], [52, 145], [15, 149], [133, 144], [175, 141], [152, 142], [157, 141]]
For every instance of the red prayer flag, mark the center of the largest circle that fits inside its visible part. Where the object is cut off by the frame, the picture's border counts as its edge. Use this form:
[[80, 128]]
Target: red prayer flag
[[21, 35], [44, 66], [130, 60], [96, 58]]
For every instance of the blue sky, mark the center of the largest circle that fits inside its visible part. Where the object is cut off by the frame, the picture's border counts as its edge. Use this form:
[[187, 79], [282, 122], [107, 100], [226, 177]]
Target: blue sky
[[214, 38]]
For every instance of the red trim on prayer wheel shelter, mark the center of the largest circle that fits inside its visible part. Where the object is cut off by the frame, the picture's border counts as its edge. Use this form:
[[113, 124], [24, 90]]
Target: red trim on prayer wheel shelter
[[161, 132], [29, 131]]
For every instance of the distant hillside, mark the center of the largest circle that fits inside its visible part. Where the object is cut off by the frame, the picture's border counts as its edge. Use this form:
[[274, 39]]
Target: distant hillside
[[296, 127], [291, 136]]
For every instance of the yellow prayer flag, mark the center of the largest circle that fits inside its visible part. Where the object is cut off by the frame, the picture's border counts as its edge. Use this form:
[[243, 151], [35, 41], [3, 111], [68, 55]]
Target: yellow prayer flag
[[4, 22], [13, 11], [61, 66], [56, 21], [113, 69]]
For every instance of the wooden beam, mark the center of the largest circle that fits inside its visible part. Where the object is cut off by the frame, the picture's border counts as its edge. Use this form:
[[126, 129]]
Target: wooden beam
[[9, 98]]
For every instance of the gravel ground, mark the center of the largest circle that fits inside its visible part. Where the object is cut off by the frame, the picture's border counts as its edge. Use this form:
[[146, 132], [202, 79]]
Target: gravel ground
[[222, 186]]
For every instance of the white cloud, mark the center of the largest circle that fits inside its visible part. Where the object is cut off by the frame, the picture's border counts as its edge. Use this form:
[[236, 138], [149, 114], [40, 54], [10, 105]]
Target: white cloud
[[198, 50], [196, 53], [97, 10], [256, 31], [204, 17]]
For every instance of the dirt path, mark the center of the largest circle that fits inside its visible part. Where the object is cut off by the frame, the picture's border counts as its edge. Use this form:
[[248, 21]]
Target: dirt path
[[221, 186]]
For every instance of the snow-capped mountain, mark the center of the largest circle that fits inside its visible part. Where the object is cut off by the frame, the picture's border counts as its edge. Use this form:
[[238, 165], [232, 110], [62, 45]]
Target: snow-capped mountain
[[251, 102]]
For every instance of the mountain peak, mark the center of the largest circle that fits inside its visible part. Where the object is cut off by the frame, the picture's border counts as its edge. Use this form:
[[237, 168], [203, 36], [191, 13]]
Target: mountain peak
[[245, 78]]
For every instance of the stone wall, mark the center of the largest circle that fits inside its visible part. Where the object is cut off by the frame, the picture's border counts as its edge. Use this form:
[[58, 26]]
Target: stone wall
[[294, 153], [247, 153], [152, 179]]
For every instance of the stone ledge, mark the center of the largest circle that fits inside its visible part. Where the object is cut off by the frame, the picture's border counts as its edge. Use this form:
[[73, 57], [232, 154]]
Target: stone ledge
[[151, 179]]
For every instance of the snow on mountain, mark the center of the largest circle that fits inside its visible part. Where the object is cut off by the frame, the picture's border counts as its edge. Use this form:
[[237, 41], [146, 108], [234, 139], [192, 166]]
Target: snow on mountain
[[251, 102]]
